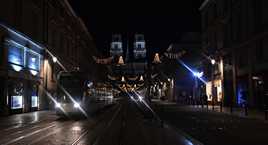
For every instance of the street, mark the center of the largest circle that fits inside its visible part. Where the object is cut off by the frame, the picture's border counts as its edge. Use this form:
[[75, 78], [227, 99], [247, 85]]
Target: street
[[213, 128], [121, 124]]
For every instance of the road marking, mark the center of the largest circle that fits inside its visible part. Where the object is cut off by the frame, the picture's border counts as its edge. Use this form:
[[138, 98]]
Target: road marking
[[28, 135], [33, 127], [14, 127], [80, 137], [84, 133], [49, 134], [108, 125]]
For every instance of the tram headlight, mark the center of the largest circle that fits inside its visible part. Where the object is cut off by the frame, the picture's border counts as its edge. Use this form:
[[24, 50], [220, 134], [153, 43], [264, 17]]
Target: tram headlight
[[58, 105], [76, 105]]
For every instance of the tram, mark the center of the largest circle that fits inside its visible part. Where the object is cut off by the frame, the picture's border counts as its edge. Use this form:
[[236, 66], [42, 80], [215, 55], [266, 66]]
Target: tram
[[74, 97]]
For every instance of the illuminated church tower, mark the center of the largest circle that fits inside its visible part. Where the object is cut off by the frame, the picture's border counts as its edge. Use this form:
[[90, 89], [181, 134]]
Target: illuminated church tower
[[116, 45], [139, 49]]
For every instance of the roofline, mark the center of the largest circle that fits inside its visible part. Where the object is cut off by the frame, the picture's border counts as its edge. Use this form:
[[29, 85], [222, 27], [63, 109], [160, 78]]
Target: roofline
[[22, 35], [70, 8], [204, 4]]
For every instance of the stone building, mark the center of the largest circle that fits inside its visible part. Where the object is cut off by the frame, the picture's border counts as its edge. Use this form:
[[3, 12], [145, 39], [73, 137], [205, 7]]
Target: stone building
[[235, 35], [38, 39]]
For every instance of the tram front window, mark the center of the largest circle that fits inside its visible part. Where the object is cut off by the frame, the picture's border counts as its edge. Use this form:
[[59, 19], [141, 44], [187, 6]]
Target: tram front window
[[73, 87]]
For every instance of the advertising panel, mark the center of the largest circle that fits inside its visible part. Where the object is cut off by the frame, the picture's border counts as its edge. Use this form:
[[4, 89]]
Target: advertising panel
[[34, 101], [16, 102]]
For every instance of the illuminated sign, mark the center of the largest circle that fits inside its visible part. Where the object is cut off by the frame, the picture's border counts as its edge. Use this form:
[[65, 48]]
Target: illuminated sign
[[16, 102], [20, 57], [34, 101]]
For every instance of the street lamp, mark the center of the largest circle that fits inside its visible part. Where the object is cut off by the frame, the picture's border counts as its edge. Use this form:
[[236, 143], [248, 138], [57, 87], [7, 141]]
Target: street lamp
[[213, 61], [198, 74], [54, 59]]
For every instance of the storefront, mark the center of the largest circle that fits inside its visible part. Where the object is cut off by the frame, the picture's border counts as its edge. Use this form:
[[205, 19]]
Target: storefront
[[214, 90], [23, 65]]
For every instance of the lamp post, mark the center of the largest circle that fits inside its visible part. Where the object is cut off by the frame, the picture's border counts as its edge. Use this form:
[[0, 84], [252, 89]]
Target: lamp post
[[197, 75]]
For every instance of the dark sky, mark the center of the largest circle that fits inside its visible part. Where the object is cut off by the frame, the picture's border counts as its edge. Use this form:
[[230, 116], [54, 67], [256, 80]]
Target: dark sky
[[162, 22]]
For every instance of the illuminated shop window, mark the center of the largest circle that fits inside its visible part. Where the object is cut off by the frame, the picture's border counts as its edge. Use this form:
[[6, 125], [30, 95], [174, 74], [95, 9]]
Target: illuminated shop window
[[34, 97], [34, 101], [16, 91], [20, 57], [15, 55], [16, 102], [33, 62]]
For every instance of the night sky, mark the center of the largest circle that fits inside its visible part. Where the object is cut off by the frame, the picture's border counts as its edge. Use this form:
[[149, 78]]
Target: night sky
[[162, 22]]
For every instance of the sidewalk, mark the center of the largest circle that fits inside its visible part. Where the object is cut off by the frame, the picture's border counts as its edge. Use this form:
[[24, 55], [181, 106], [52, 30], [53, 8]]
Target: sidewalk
[[252, 113]]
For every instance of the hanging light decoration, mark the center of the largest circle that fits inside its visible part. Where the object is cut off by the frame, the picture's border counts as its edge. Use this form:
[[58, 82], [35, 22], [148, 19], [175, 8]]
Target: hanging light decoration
[[123, 79], [156, 58], [120, 61], [141, 78]]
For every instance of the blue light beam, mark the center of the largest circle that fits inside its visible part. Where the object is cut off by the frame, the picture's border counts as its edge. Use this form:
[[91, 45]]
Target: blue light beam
[[192, 71]]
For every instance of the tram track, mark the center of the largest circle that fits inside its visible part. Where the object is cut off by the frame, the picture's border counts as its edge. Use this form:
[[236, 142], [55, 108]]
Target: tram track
[[98, 123], [97, 138]]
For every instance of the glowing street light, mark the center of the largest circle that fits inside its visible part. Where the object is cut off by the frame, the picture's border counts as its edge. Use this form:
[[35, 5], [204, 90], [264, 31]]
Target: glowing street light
[[213, 61], [54, 59], [123, 79], [141, 78], [198, 74]]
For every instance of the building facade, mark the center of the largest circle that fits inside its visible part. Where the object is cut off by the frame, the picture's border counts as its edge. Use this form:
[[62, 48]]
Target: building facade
[[116, 46], [38, 39], [235, 35], [134, 58], [185, 83]]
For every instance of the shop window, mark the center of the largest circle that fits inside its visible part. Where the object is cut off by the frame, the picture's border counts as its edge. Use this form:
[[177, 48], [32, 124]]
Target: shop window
[[20, 57], [34, 101], [34, 97], [33, 62], [16, 96], [16, 102], [15, 55]]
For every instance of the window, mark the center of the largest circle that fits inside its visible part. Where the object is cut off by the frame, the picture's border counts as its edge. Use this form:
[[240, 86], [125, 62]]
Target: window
[[33, 60], [139, 46], [20, 57], [15, 55], [115, 46], [34, 96], [16, 102]]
